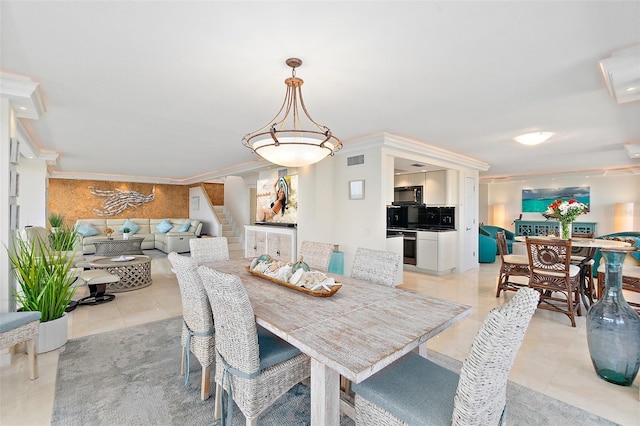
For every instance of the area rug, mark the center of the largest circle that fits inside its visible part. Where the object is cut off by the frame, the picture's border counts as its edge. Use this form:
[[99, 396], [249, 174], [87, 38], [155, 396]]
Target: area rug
[[131, 377]]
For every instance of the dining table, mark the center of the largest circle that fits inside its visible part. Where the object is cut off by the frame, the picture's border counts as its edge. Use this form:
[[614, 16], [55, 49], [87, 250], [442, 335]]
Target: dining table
[[355, 333], [592, 243]]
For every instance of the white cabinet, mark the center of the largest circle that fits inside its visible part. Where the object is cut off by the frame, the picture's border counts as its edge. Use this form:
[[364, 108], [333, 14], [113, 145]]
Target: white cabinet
[[278, 242], [435, 188], [436, 251], [410, 179]]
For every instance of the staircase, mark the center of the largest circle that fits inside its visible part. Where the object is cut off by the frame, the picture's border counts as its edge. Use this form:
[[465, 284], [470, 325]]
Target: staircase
[[236, 246]]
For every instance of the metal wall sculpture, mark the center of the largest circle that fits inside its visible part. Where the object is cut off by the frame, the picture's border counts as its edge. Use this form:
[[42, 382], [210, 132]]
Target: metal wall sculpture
[[117, 200]]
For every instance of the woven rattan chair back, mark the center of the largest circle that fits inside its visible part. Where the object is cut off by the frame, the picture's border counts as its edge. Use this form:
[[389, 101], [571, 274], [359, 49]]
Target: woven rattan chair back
[[236, 333], [316, 255], [197, 316], [481, 395], [378, 267], [554, 277], [212, 249]]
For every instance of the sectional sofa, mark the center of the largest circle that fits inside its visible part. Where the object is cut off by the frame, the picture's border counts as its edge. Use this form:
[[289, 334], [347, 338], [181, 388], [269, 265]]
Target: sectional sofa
[[163, 234]]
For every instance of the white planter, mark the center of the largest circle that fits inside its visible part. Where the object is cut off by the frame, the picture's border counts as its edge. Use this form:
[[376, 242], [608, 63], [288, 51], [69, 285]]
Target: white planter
[[125, 236], [53, 334]]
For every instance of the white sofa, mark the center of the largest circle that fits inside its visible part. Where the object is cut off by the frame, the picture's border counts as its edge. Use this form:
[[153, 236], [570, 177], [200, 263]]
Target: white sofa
[[153, 239]]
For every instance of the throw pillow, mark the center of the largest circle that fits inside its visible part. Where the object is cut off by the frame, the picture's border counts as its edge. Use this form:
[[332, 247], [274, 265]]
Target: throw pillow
[[133, 227], [164, 226], [185, 226], [87, 230]]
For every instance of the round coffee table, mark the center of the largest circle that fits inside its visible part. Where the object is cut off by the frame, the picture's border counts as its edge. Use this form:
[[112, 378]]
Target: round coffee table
[[134, 272]]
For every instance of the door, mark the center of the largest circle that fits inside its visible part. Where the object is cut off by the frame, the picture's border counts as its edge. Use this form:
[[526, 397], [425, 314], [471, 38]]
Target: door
[[470, 254]]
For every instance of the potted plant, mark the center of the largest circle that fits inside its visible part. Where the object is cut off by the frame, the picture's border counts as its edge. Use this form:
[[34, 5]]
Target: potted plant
[[45, 284], [125, 233], [64, 242], [56, 220]]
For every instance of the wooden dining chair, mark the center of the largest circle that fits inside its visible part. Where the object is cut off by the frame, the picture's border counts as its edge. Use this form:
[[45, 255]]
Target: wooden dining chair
[[414, 390], [198, 327], [512, 265], [316, 255], [255, 369], [378, 267], [553, 275], [212, 249]]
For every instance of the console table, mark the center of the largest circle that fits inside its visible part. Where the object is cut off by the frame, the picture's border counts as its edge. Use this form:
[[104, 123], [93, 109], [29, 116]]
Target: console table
[[544, 227], [112, 247]]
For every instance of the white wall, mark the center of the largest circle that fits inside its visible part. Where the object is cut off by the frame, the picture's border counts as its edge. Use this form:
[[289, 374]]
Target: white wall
[[606, 191], [237, 198], [32, 198], [204, 213]]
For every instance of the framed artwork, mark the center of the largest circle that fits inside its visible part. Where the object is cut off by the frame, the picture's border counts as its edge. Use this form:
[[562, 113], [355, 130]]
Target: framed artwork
[[277, 201], [195, 202], [356, 190], [14, 216], [13, 183], [537, 200], [14, 151]]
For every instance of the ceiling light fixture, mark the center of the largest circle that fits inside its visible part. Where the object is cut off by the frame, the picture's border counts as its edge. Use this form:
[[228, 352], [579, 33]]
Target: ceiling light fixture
[[283, 140], [534, 138]]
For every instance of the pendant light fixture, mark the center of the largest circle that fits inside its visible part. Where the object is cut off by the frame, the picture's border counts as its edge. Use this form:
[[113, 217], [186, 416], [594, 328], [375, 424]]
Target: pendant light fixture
[[283, 140]]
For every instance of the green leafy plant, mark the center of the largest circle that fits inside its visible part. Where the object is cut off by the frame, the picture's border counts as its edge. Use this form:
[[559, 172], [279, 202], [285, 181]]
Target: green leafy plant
[[56, 220], [126, 230], [44, 277], [64, 239]]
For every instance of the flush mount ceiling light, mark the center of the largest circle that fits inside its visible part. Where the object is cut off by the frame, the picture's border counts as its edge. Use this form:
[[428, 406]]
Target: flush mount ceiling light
[[283, 140], [533, 138]]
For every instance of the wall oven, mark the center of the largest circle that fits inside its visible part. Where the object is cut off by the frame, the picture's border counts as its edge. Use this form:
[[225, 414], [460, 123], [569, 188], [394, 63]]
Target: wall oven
[[410, 248]]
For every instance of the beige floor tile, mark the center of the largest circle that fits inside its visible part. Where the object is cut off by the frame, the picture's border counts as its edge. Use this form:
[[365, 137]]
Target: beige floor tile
[[554, 357]]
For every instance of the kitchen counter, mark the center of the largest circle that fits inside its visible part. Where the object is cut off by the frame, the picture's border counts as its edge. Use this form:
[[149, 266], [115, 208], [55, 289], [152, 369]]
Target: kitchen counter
[[424, 229]]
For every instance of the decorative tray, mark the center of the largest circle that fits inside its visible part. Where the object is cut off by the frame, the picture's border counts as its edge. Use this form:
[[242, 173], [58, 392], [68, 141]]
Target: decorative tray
[[122, 258], [316, 293]]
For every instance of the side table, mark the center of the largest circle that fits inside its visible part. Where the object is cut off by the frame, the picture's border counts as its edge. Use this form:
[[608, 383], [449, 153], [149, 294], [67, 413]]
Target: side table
[[134, 273]]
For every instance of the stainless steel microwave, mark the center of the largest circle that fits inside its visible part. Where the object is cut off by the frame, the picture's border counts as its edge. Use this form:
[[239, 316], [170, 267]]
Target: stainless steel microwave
[[407, 195]]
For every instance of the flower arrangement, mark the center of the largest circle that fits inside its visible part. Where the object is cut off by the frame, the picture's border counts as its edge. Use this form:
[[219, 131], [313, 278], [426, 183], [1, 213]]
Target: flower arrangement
[[566, 212], [108, 232]]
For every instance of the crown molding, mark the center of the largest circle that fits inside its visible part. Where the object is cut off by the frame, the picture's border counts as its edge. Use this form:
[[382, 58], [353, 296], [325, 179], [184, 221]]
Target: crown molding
[[24, 95]]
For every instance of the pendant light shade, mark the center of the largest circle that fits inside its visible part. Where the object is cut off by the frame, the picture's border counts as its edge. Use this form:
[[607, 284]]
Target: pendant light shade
[[292, 138]]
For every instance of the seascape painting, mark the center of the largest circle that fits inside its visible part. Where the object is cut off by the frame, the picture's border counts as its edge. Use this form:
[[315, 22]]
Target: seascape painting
[[537, 200]]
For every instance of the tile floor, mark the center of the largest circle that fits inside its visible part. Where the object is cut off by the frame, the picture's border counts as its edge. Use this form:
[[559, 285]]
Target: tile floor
[[553, 359]]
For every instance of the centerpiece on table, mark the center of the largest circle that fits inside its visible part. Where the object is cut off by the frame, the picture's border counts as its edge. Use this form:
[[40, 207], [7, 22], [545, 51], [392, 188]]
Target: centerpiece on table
[[108, 232], [566, 212]]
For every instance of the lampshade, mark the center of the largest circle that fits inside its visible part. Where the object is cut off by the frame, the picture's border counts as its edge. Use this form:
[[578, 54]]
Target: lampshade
[[284, 140], [623, 217]]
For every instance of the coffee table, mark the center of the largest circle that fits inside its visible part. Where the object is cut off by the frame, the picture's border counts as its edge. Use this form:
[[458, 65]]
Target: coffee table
[[112, 247], [134, 273]]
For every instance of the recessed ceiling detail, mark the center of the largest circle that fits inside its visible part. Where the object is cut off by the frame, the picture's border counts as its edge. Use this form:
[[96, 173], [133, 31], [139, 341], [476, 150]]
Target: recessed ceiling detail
[[621, 73], [633, 149]]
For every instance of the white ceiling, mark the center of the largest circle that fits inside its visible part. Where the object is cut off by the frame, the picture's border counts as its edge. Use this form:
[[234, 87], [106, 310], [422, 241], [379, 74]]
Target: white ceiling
[[166, 90]]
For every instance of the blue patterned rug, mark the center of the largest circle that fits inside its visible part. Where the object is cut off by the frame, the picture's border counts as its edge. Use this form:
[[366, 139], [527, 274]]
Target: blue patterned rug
[[132, 377]]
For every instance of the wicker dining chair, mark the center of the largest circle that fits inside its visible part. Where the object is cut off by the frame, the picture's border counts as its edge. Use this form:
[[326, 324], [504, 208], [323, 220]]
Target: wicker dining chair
[[316, 255], [553, 275], [19, 327], [512, 265], [198, 327], [378, 267], [255, 372], [583, 258], [414, 390], [212, 249]]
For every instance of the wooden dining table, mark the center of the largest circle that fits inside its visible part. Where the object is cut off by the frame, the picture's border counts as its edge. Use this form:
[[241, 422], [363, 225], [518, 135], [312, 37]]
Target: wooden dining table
[[354, 333]]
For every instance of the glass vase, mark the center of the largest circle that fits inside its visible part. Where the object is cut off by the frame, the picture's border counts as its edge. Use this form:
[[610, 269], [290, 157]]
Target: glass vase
[[565, 230], [613, 327]]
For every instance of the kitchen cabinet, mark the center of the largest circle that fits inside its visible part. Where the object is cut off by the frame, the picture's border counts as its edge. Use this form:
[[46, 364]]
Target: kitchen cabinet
[[435, 188], [409, 179], [436, 251], [278, 242]]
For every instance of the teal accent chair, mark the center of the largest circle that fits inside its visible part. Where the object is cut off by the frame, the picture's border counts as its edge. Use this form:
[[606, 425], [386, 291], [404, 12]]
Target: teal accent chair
[[626, 234], [491, 230], [487, 247]]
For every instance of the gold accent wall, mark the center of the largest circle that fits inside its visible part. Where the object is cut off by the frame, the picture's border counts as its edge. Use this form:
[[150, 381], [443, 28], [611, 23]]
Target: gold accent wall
[[73, 198]]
